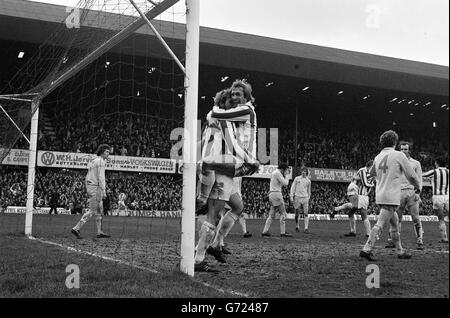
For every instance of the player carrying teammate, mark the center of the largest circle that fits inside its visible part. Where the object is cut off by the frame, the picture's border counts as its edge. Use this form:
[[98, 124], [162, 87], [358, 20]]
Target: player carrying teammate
[[388, 167], [409, 199], [300, 194], [277, 181], [439, 182], [96, 190], [229, 144], [233, 118]]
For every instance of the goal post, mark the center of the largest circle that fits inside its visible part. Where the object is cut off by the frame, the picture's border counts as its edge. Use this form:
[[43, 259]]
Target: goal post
[[190, 135], [58, 81], [32, 168], [109, 72]]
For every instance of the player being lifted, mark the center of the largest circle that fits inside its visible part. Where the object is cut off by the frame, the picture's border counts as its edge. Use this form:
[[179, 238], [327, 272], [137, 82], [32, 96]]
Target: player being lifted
[[239, 128], [229, 150], [439, 182], [278, 180], [234, 121], [388, 167], [96, 190], [350, 207], [409, 199], [300, 194]]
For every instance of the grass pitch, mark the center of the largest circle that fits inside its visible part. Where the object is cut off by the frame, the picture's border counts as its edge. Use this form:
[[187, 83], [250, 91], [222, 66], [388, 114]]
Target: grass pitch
[[145, 254]]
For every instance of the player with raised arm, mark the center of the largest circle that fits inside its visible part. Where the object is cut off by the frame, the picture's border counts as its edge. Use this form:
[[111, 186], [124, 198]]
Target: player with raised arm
[[96, 190], [300, 195], [350, 207], [388, 168], [278, 180], [439, 183], [409, 199]]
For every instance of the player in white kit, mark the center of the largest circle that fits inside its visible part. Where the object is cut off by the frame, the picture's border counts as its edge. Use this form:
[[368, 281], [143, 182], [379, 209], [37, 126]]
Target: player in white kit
[[277, 181], [121, 202], [409, 199], [96, 190], [439, 182], [388, 168], [300, 194]]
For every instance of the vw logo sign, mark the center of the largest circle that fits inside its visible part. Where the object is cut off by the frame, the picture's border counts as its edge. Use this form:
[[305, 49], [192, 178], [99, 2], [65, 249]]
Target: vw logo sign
[[48, 158]]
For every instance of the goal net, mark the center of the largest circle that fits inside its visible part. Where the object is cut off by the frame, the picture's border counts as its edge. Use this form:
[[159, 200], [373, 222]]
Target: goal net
[[102, 76]]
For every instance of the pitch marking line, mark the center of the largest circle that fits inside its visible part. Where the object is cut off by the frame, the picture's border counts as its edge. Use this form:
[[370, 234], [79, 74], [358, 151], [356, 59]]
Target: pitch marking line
[[425, 251], [72, 249]]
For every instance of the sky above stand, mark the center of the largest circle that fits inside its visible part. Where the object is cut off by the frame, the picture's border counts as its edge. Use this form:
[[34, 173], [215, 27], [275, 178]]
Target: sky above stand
[[415, 30]]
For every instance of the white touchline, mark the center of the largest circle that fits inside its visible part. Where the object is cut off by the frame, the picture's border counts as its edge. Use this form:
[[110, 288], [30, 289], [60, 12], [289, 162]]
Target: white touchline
[[72, 249]]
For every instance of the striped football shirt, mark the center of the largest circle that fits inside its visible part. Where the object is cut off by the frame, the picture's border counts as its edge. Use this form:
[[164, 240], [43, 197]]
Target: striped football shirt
[[364, 182], [238, 126], [439, 180]]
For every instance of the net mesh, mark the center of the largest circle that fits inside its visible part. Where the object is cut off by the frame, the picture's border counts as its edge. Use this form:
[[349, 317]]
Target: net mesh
[[84, 33], [130, 97]]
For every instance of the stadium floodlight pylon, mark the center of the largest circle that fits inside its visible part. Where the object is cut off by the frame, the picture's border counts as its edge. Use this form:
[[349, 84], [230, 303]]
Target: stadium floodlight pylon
[[63, 56]]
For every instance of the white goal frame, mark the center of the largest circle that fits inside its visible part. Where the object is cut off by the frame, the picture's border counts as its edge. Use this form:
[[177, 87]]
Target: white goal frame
[[191, 70]]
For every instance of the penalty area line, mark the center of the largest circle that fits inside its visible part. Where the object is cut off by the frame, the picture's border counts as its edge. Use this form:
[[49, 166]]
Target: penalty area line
[[75, 250]]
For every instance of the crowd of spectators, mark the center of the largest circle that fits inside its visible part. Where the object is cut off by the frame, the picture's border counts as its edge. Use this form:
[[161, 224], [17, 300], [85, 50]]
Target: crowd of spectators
[[157, 192], [321, 145], [350, 150], [139, 135], [144, 191], [129, 134]]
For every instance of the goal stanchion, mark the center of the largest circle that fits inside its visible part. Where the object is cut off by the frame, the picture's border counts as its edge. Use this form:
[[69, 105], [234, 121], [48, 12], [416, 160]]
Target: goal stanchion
[[190, 135]]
